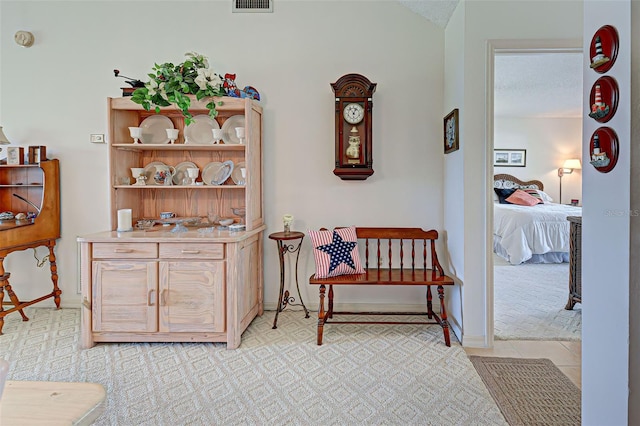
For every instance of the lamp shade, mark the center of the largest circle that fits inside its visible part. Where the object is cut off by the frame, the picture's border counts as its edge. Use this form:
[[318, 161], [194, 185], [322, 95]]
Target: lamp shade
[[572, 163], [3, 138]]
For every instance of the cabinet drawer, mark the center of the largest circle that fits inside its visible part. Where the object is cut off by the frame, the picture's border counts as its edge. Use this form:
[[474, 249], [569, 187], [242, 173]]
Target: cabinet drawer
[[192, 250], [125, 250]]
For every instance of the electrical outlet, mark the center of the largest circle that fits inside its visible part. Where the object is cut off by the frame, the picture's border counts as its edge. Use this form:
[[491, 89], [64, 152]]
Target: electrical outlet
[[97, 138]]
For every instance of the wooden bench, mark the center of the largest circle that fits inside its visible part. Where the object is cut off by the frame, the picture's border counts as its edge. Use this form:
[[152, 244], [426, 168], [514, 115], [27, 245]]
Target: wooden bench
[[410, 249]]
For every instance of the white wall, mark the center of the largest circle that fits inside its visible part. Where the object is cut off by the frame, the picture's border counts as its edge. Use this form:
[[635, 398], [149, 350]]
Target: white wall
[[453, 202], [549, 142], [54, 94], [605, 239]]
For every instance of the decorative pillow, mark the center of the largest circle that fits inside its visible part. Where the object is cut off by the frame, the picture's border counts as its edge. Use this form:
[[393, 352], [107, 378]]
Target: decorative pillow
[[534, 193], [521, 198], [545, 197], [336, 252], [503, 193]]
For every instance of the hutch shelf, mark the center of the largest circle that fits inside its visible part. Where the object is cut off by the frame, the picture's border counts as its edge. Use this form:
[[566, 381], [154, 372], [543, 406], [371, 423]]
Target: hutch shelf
[[156, 285]]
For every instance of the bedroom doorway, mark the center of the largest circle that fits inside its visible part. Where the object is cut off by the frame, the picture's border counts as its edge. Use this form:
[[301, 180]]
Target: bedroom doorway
[[537, 125]]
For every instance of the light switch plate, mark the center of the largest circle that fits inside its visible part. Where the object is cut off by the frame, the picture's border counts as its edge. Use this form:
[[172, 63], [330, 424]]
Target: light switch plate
[[97, 138]]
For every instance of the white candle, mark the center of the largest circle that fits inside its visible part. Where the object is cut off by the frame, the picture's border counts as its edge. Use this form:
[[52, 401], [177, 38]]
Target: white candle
[[124, 220]]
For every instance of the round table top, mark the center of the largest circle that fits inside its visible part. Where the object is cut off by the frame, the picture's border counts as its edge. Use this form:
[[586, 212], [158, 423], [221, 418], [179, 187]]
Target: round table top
[[291, 235]]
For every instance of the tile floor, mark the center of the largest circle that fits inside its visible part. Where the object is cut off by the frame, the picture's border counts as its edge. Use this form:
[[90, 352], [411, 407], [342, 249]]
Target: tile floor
[[567, 356]]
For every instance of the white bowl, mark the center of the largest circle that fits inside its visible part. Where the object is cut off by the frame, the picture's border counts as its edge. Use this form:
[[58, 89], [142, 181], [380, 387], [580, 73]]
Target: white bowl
[[226, 222]]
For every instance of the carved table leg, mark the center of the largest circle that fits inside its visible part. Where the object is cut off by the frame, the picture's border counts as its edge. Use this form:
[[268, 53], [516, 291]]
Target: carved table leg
[[5, 286], [321, 317], [443, 313], [330, 311], [54, 273]]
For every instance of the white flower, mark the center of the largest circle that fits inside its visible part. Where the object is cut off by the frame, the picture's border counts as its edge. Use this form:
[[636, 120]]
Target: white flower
[[287, 219], [154, 88], [207, 77]]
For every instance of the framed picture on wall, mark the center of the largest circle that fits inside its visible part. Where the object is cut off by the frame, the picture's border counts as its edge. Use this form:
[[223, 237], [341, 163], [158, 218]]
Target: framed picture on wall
[[451, 142], [510, 158]]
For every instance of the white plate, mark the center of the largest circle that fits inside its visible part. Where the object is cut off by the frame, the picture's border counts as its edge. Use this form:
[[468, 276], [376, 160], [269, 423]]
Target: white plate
[[150, 171], [199, 132], [154, 129], [216, 173], [181, 172], [229, 129], [236, 174]]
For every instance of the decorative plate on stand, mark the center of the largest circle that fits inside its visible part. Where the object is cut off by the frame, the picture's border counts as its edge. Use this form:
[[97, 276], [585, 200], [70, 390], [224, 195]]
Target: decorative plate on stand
[[604, 149], [603, 101], [604, 49]]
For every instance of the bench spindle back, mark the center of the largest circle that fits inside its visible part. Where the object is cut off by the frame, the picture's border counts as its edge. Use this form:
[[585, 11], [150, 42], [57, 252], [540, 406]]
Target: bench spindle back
[[376, 238]]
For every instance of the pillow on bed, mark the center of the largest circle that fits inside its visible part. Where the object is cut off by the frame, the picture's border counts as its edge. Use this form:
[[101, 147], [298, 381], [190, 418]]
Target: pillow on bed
[[503, 194], [545, 197], [336, 252], [521, 198], [534, 193]]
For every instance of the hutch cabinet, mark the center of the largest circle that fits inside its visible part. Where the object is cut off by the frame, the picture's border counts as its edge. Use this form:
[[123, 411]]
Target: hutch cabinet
[[157, 285]]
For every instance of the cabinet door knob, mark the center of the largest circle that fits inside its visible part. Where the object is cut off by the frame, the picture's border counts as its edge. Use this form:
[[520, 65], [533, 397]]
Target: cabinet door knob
[[150, 301], [86, 303], [190, 251], [163, 298]]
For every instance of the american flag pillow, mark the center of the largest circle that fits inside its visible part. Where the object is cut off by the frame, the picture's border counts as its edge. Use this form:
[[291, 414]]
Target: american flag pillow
[[336, 252]]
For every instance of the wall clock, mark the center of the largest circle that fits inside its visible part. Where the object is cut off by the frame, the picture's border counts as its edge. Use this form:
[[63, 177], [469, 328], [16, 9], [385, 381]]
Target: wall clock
[[353, 136]]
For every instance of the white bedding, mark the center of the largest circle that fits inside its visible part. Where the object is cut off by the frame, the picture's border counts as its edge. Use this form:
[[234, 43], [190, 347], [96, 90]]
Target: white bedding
[[521, 232]]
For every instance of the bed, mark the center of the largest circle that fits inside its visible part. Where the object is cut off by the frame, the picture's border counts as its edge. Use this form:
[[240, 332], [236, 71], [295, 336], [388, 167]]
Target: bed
[[531, 234]]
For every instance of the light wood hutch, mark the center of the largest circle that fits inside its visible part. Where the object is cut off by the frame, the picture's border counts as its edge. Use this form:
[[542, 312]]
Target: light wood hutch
[[161, 286]]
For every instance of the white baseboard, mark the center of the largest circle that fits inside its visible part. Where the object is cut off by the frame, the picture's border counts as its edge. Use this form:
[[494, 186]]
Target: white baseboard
[[474, 341]]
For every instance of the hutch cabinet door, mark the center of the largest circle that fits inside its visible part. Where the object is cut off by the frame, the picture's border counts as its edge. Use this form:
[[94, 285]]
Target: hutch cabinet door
[[125, 296], [192, 297]]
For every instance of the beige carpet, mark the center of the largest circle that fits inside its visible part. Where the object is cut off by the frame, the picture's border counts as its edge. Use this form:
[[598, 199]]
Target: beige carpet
[[529, 301], [530, 391], [361, 375]]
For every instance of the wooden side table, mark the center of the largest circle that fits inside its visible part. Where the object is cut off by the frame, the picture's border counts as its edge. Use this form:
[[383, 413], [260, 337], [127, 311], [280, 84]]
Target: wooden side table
[[286, 244]]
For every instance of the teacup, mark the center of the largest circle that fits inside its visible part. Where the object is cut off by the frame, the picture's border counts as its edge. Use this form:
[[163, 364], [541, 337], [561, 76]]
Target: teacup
[[217, 135], [167, 215], [193, 174], [172, 134]]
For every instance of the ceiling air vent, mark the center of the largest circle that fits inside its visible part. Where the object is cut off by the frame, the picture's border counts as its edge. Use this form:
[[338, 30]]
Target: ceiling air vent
[[252, 6]]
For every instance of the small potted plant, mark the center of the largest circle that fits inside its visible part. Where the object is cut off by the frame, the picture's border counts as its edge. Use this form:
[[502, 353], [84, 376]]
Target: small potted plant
[[171, 84]]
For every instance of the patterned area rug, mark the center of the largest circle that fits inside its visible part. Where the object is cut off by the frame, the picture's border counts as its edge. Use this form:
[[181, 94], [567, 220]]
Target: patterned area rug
[[361, 375], [530, 391], [529, 303]]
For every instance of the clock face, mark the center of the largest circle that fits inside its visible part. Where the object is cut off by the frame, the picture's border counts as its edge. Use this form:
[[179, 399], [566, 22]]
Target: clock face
[[353, 113]]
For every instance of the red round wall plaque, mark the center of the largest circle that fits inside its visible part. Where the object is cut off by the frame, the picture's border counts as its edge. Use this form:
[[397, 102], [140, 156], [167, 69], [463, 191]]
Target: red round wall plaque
[[603, 101], [604, 49], [603, 149]]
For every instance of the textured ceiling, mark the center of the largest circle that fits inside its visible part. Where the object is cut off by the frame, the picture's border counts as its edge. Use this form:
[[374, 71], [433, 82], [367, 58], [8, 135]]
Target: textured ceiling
[[538, 85], [526, 85]]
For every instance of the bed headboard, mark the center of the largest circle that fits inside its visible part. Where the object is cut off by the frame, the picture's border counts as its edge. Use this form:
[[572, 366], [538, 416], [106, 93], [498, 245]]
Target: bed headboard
[[508, 181]]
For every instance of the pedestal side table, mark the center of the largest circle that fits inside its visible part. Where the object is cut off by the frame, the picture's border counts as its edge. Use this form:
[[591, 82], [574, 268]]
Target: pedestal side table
[[287, 244]]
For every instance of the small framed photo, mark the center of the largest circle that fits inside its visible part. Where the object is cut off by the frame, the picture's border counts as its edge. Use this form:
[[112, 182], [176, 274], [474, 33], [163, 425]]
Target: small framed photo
[[510, 158], [15, 155], [37, 154], [451, 141]]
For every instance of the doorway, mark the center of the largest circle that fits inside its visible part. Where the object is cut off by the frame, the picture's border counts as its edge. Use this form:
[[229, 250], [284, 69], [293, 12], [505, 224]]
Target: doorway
[[537, 112]]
